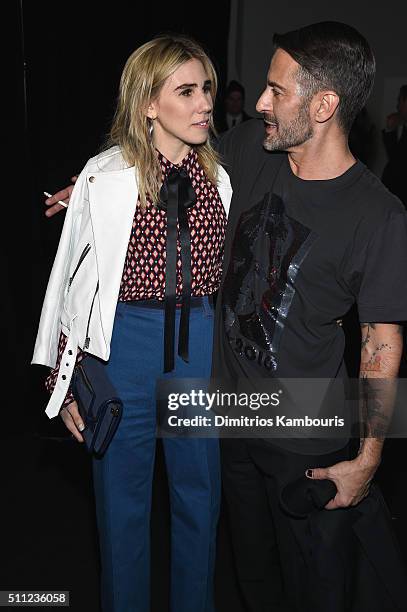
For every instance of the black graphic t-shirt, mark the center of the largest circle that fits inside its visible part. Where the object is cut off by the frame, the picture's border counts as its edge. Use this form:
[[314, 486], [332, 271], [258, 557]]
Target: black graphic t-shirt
[[298, 255]]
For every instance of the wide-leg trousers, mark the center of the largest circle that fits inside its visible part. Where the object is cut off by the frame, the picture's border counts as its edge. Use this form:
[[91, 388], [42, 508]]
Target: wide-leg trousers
[[123, 476]]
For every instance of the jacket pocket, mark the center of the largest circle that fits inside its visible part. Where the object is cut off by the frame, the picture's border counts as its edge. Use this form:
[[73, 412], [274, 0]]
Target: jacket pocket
[[78, 265]]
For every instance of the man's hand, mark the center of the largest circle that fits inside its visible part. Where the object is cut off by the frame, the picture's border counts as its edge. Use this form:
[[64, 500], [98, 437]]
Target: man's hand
[[63, 195], [73, 420], [352, 480]]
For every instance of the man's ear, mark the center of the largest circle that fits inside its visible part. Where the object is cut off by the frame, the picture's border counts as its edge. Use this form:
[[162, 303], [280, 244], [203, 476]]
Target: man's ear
[[326, 103]]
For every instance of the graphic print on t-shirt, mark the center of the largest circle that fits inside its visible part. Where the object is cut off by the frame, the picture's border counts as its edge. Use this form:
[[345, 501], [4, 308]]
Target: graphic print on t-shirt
[[267, 251]]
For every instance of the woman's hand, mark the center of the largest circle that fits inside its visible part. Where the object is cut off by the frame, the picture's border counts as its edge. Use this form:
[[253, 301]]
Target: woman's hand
[[73, 420]]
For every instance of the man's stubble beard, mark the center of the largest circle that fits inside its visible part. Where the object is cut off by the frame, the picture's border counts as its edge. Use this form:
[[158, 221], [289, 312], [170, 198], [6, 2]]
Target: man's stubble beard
[[292, 135]]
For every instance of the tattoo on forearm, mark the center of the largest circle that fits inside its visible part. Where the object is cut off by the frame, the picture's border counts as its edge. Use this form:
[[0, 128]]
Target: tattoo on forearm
[[375, 361], [376, 403], [373, 365], [366, 327], [380, 357]]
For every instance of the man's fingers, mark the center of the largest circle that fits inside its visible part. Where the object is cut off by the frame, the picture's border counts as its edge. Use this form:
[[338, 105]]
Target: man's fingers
[[339, 501], [50, 212], [73, 420], [332, 504], [60, 196], [318, 474], [63, 195]]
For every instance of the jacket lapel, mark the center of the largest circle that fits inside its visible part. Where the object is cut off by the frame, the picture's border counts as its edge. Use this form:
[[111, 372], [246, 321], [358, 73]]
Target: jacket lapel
[[109, 192]]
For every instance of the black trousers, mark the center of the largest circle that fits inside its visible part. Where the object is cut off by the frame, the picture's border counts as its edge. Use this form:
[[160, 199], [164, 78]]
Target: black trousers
[[318, 563]]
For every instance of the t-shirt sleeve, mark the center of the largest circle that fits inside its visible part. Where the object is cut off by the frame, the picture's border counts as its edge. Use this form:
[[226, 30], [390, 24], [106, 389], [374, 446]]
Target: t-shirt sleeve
[[383, 289]]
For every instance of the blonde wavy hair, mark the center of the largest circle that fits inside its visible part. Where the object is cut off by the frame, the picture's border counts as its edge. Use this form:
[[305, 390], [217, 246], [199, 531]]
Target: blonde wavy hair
[[143, 76]]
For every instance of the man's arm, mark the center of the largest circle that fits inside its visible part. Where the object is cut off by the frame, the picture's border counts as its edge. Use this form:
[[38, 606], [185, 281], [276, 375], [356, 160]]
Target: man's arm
[[381, 350], [382, 346]]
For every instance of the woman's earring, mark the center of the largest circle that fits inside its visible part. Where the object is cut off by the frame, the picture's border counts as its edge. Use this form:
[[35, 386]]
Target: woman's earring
[[150, 127]]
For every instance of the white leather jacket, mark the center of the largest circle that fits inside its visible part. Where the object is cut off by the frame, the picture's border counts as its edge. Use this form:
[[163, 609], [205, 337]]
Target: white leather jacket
[[84, 284]]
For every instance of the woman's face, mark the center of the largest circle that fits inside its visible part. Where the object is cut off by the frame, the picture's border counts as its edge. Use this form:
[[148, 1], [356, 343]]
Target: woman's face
[[182, 110]]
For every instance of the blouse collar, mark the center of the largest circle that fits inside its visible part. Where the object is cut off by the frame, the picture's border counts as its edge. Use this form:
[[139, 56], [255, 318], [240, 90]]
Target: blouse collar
[[187, 162]]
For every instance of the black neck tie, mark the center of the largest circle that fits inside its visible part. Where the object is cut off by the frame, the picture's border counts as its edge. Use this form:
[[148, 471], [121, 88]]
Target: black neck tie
[[176, 196]]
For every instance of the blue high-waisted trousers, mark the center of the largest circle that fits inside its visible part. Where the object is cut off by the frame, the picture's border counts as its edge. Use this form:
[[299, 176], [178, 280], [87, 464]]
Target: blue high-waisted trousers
[[123, 476]]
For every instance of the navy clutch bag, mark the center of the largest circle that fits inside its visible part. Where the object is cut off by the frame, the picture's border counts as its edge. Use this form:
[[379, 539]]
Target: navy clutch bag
[[98, 404]]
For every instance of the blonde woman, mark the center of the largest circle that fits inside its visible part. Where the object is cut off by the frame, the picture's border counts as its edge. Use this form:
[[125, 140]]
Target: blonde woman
[[126, 291]]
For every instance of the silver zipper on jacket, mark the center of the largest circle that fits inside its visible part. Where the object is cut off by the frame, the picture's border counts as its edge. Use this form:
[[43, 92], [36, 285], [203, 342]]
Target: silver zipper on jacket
[[87, 339], [81, 258]]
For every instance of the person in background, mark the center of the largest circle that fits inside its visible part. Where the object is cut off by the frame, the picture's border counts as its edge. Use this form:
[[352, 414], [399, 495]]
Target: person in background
[[124, 287], [395, 142], [231, 112]]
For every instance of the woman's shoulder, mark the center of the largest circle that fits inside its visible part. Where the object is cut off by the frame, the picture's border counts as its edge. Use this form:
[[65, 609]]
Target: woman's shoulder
[[109, 160]]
